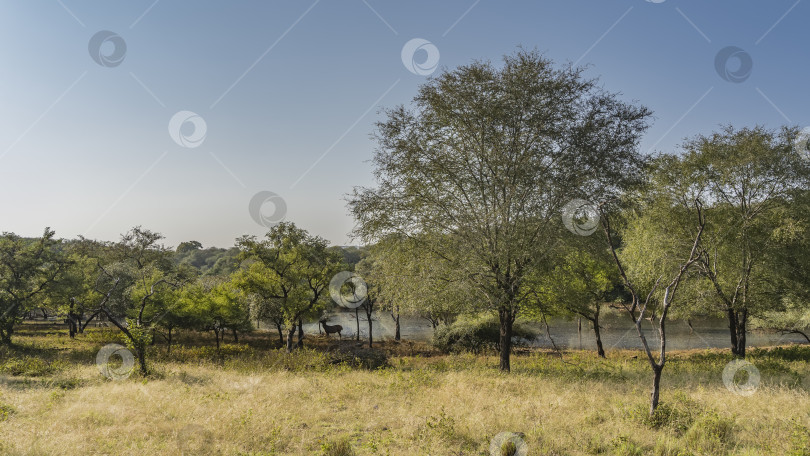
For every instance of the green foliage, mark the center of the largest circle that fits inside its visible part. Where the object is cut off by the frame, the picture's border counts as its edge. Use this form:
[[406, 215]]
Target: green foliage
[[478, 335], [678, 414], [478, 171], [30, 366], [710, 434], [294, 273], [212, 261], [5, 412], [27, 268], [340, 447], [800, 440], [624, 446], [508, 448], [442, 426]]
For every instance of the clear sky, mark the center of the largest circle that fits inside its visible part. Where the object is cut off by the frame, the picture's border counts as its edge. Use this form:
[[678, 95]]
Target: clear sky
[[289, 90]]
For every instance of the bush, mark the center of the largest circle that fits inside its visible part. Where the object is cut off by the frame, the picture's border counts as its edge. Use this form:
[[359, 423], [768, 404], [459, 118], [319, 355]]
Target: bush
[[679, 414], [477, 335], [337, 448], [5, 411], [710, 434], [800, 440], [623, 446], [30, 367]]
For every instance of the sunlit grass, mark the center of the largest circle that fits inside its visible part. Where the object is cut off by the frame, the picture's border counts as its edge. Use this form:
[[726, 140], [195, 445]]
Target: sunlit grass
[[251, 398]]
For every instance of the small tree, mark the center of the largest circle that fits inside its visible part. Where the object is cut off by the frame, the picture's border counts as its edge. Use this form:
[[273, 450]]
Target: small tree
[[216, 304], [134, 286], [27, 268], [581, 283], [299, 267], [661, 244], [259, 284]]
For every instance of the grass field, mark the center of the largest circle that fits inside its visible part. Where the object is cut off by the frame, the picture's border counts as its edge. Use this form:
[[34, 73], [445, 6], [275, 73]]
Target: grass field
[[401, 399]]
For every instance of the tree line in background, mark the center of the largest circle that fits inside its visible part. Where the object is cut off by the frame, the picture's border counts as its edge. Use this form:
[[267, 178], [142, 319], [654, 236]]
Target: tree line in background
[[515, 191]]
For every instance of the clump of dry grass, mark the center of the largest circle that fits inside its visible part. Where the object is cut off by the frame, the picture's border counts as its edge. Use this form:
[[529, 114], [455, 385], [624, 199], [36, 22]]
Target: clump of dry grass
[[237, 403]]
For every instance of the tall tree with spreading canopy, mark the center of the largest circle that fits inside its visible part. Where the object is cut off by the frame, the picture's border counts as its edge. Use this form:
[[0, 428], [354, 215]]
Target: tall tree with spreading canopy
[[480, 168]]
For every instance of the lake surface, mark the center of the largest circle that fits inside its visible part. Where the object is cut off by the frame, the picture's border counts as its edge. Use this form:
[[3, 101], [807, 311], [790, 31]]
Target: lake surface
[[618, 332]]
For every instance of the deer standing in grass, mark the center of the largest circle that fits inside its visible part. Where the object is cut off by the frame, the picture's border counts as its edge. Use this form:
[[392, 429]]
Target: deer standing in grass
[[329, 329]]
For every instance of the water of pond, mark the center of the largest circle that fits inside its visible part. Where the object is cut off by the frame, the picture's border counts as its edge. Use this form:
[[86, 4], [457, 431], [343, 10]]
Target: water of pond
[[617, 332]]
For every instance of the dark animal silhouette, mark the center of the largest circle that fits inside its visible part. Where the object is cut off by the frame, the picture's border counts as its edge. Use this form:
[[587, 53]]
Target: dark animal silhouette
[[329, 329]]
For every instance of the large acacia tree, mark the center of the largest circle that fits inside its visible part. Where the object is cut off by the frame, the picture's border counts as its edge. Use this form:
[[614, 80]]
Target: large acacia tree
[[479, 168]]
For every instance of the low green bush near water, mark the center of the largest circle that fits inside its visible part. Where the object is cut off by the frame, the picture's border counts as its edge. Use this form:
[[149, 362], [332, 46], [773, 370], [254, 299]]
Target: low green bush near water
[[479, 335]]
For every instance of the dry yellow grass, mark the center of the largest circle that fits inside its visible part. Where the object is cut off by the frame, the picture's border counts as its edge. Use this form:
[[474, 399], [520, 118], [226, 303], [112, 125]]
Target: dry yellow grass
[[450, 405]]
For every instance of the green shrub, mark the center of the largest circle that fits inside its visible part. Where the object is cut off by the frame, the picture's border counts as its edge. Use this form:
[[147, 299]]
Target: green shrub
[[710, 434], [799, 441], [508, 448], [340, 447], [477, 335], [669, 448], [678, 413], [623, 446], [5, 411], [30, 366]]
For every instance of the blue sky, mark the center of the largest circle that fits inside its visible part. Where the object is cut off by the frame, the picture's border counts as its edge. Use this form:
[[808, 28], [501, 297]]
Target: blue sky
[[289, 91]]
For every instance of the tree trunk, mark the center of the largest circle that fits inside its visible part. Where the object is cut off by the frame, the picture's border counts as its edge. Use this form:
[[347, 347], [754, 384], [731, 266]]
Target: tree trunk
[[169, 341], [71, 320], [141, 350], [656, 388], [72, 325], [397, 334], [5, 334], [290, 337], [81, 327], [235, 337], [300, 334], [280, 334], [216, 336], [370, 330], [357, 320], [599, 349], [507, 319], [737, 323]]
